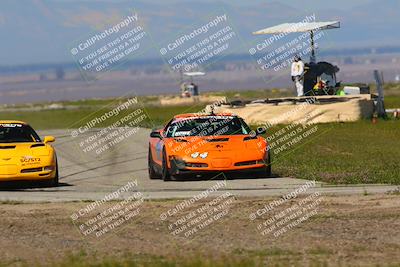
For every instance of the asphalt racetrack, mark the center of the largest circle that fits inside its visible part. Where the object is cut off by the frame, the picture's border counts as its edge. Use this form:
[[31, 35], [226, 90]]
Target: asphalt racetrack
[[91, 176]]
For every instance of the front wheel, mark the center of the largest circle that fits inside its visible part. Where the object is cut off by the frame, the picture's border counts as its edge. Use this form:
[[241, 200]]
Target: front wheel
[[55, 181], [166, 176], [152, 173], [268, 171]]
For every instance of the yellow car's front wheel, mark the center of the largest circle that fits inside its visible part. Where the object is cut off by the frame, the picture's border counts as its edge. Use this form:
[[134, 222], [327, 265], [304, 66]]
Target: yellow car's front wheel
[[54, 182]]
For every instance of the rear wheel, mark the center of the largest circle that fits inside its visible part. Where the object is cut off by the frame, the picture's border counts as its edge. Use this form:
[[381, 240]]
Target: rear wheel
[[152, 173], [166, 176]]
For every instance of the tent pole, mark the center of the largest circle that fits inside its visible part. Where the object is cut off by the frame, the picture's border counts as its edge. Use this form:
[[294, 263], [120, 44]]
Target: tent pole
[[312, 57]]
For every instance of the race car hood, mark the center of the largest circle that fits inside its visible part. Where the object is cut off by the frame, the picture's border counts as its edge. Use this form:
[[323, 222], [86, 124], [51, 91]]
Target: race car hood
[[18, 151]]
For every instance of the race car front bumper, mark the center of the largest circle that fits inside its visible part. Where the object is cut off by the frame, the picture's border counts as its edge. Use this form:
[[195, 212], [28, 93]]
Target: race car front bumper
[[179, 169], [27, 174]]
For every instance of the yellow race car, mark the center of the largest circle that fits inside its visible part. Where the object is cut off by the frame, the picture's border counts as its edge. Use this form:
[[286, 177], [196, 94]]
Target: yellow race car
[[24, 156]]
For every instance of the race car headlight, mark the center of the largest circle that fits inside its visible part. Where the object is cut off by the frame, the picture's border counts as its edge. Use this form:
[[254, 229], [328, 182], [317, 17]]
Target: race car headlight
[[204, 155], [195, 155]]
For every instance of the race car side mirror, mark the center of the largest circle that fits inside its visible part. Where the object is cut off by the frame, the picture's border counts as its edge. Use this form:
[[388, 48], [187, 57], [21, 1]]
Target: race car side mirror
[[49, 139], [261, 130], [155, 134]]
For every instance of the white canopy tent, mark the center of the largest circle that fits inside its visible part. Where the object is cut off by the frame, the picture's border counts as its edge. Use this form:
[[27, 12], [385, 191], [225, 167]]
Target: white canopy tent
[[301, 27], [192, 74]]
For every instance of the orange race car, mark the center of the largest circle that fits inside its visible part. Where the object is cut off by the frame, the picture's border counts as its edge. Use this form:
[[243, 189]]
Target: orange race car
[[198, 145]]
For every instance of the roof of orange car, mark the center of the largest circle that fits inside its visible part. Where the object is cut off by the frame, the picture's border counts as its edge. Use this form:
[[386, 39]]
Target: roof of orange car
[[189, 115], [12, 121]]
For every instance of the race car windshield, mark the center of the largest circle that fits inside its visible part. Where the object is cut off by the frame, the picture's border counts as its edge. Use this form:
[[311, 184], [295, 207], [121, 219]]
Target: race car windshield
[[17, 133], [210, 126]]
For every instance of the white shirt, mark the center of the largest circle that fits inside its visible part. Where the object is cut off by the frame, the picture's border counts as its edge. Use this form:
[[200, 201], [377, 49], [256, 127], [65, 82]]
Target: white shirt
[[297, 68]]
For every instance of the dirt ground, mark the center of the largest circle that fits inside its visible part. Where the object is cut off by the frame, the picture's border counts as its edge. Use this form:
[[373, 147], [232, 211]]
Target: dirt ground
[[358, 230]]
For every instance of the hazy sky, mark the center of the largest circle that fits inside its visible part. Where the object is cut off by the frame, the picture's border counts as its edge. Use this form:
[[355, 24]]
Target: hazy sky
[[36, 31]]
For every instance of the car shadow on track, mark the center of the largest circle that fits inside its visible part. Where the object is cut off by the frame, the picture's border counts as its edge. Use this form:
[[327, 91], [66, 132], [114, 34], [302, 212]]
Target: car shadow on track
[[23, 185], [221, 176]]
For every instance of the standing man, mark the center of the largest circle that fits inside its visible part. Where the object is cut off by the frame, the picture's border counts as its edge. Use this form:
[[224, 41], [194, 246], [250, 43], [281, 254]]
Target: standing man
[[297, 72]]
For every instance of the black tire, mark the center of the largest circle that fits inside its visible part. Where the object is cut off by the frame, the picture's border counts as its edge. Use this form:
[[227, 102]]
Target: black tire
[[152, 173], [268, 171], [166, 176], [55, 181]]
